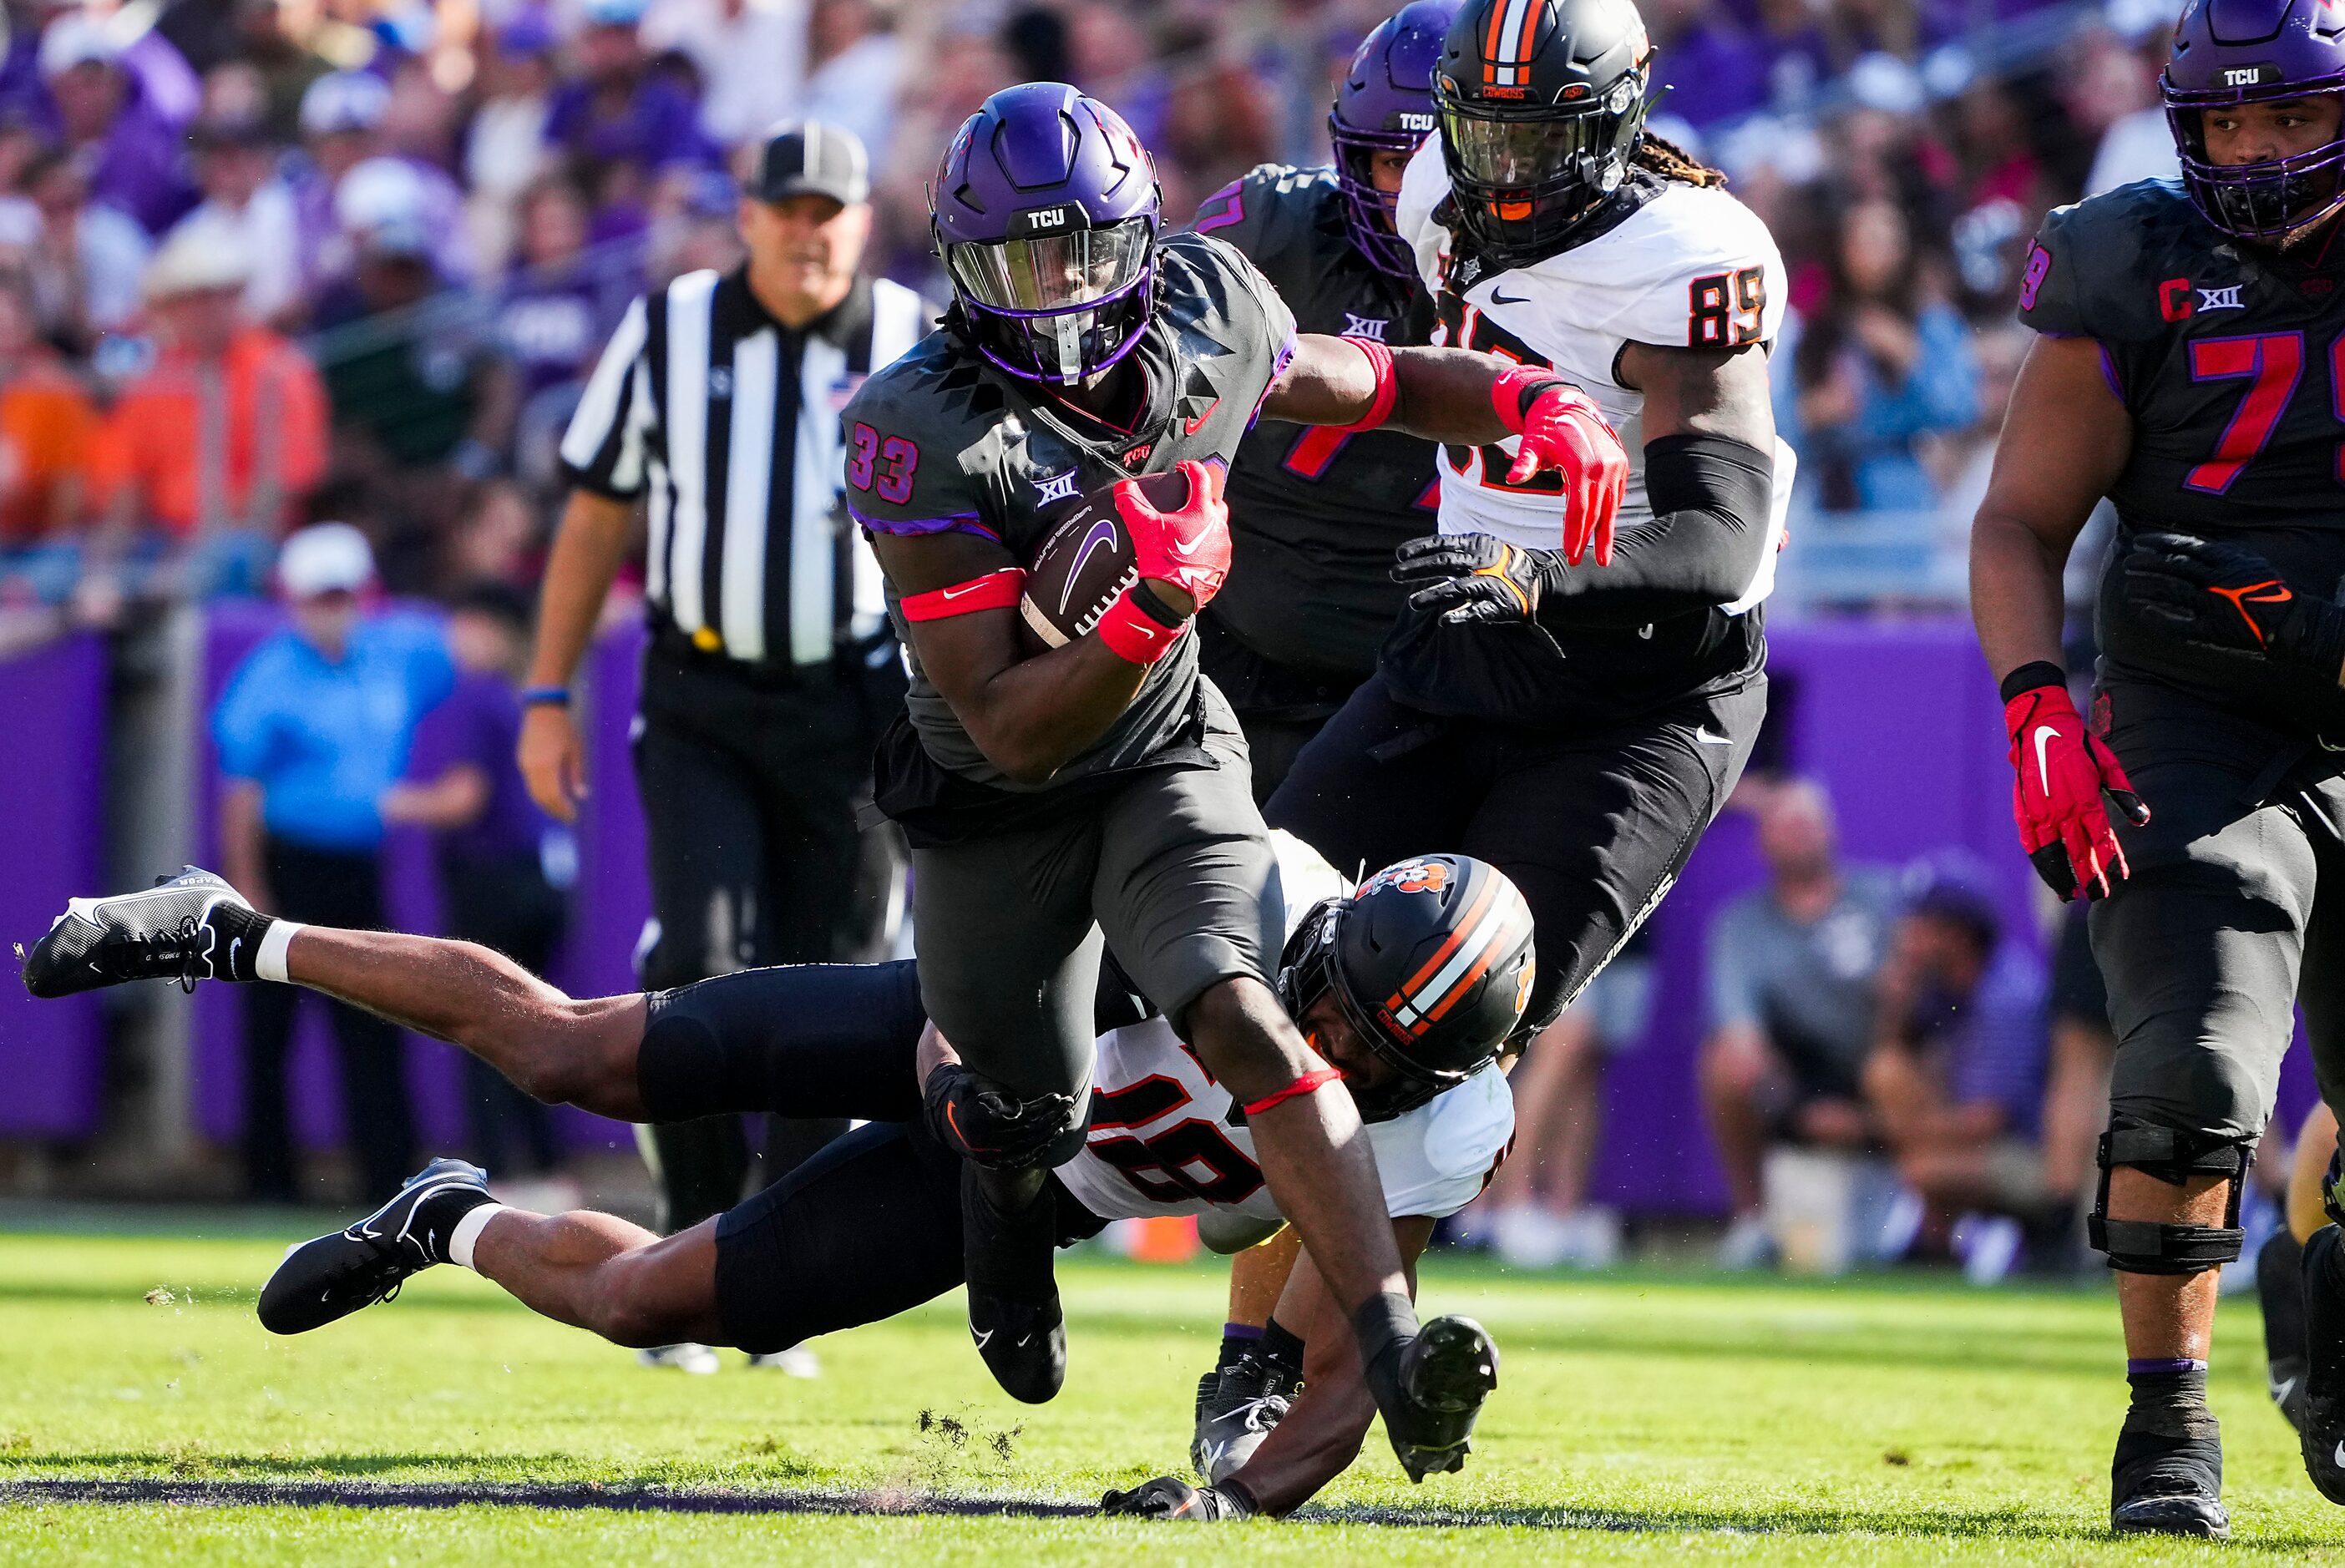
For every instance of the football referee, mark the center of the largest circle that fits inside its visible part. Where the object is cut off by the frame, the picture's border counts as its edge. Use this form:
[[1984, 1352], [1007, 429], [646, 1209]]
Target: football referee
[[770, 669]]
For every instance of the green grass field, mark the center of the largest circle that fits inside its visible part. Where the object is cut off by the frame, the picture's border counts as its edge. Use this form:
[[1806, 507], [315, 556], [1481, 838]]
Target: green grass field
[[1643, 1419]]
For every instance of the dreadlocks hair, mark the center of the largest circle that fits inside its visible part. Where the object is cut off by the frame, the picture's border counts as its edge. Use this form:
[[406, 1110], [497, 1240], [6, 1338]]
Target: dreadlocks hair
[[1664, 157]]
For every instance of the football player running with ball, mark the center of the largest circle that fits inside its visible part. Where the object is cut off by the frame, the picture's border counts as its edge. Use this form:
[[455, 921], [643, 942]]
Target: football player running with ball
[[1574, 715], [2189, 368], [1097, 793]]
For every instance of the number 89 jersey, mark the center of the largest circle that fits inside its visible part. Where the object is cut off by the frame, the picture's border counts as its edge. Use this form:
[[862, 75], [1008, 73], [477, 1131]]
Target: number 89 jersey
[[1685, 267], [2230, 360], [1165, 1139]]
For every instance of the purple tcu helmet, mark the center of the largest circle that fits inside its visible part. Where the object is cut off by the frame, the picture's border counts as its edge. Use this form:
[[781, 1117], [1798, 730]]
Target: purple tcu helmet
[[1431, 964], [1046, 211], [1386, 104], [2232, 52]]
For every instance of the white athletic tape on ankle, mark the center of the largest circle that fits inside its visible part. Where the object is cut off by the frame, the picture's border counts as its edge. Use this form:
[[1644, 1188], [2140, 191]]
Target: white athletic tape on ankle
[[270, 962], [468, 1231]]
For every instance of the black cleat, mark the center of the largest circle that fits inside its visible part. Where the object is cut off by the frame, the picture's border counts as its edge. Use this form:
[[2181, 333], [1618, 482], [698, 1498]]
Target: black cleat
[[188, 927], [2167, 1486], [2322, 1434], [1247, 1399], [1013, 1294], [2280, 1287], [335, 1275], [1443, 1376]]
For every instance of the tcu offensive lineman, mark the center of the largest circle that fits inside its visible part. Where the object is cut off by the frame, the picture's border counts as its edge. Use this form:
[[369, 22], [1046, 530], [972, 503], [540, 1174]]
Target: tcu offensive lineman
[[2190, 366]]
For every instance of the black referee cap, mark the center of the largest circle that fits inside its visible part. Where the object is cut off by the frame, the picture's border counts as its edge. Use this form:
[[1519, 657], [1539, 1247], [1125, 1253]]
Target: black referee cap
[[807, 157]]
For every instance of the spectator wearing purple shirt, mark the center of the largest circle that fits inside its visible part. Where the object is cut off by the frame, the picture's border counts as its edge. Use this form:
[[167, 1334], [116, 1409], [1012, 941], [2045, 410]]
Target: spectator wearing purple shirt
[[130, 147], [1714, 69], [492, 845], [1956, 1079], [618, 124]]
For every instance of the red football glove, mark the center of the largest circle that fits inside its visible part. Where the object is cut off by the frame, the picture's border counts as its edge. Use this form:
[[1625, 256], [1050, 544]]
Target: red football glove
[[2062, 773], [1189, 548], [1563, 430]]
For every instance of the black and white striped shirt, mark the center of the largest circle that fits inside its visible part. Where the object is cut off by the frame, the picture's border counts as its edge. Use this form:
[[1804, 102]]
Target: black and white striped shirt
[[727, 422]]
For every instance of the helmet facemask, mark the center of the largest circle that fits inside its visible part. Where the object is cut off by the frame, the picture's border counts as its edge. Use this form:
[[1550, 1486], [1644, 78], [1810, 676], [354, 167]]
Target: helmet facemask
[[1057, 306], [1371, 217], [1526, 176], [1308, 970], [2274, 201]]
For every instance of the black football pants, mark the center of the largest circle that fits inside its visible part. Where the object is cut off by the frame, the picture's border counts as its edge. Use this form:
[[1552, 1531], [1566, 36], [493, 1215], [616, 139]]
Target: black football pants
[[1592, 825], [867, 1227], [324, 887], [2233, 913]]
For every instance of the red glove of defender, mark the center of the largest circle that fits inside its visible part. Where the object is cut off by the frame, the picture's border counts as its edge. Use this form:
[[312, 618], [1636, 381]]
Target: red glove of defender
[[1563, 430], [1189, 548], [2063, 772]]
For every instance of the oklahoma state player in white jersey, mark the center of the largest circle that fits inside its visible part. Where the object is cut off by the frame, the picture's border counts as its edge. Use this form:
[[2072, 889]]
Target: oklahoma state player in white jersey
[[1572, 704]]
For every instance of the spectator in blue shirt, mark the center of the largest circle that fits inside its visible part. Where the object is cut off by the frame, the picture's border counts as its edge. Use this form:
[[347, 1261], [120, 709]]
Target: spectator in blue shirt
[[313, 728], [1956, 1075]]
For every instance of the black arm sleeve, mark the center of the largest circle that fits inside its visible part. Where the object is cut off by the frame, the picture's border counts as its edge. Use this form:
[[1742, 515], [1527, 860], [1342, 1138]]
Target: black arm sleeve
[[1712, 497]]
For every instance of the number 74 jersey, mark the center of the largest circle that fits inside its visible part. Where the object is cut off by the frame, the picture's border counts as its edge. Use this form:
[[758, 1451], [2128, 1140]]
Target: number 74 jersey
[[2230, 361]]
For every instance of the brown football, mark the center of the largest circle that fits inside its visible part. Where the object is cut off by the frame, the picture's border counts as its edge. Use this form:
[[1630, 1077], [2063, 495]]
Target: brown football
[[1085, 562]]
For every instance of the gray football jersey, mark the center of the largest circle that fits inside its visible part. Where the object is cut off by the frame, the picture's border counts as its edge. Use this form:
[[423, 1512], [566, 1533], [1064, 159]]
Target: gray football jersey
[[941, 441], [1317, 513]]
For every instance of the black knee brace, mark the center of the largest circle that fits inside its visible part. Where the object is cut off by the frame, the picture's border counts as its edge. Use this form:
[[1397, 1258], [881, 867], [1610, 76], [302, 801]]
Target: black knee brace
[[2172, 1155]]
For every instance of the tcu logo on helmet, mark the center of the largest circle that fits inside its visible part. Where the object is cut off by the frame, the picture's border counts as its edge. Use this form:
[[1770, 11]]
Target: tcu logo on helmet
[[1414, 121], [1410, 876]]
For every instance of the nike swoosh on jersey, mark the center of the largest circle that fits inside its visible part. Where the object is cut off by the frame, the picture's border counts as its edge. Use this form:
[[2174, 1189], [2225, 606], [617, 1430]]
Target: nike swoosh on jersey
[[1191, 427], [1706, 738], [2043, 732], [1498, 298]]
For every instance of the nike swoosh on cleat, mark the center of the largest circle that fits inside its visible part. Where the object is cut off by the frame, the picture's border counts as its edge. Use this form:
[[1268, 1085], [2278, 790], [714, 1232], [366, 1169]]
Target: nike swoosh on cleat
[[2281, 1389], [982, 1339]]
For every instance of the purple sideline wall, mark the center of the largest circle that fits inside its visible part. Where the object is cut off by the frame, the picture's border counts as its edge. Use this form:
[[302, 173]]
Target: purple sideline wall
[[54, 699], [1899, 721]]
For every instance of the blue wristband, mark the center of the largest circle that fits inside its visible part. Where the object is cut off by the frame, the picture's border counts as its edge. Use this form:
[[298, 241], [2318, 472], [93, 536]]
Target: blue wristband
[[545, 696]]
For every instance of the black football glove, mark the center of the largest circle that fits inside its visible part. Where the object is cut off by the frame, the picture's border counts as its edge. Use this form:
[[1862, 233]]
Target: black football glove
[[974, 1117], [1473, 577], [2227, 598], [1170, 1497]]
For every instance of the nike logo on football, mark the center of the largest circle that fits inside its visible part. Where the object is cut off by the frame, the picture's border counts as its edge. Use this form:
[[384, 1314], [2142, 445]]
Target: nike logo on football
[[2043, 771], [1191, 427]]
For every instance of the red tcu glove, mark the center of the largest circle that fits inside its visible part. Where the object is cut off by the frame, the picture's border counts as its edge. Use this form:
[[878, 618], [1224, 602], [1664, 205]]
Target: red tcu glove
[[1563, 430], [1189, 548], [2062, 773]]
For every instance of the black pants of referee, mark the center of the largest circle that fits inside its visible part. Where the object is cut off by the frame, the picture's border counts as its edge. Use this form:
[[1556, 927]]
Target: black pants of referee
[[750, 788], [508, 904], [1592, 823], [324, 887]]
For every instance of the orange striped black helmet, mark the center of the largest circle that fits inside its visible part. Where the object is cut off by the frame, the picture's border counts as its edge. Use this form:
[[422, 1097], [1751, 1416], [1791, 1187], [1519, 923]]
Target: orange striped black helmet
[[1431, 961]]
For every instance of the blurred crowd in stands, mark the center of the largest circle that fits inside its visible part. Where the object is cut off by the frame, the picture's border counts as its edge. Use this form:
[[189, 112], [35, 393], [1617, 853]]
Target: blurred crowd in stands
[[265, 262]]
